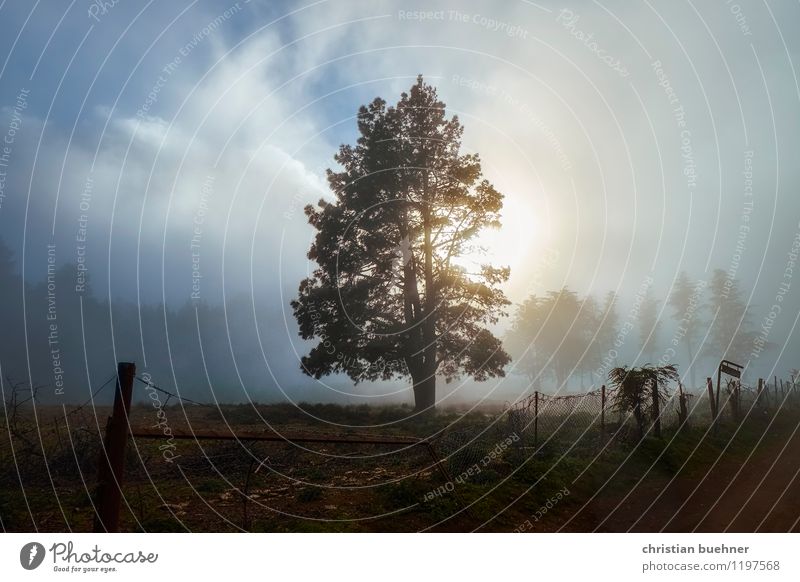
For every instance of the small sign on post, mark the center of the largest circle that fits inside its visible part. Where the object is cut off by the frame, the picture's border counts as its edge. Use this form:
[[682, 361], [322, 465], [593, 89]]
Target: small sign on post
[[731, 369], [728, 368]]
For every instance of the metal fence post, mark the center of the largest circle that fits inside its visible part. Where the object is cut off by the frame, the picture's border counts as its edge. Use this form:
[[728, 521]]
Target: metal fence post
[[111, 464]]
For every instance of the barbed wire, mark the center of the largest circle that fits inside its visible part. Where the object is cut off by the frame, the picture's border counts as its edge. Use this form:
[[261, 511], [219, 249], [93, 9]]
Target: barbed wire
[[93, 396], [167, 392], [55, 420]]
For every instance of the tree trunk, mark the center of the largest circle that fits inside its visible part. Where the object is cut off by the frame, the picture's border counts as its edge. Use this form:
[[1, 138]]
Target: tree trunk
[[656, 409], [424, 392], [425, 388]]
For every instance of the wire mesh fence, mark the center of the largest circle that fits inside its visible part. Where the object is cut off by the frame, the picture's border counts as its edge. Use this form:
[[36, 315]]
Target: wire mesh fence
[[542, 419]]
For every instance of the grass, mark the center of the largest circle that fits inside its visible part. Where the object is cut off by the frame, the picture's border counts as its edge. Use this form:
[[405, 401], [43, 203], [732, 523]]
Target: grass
[[343, 482]]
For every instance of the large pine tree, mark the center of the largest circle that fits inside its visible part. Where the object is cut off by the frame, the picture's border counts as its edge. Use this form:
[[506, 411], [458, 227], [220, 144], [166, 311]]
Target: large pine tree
[[388, 298], [685, 301]]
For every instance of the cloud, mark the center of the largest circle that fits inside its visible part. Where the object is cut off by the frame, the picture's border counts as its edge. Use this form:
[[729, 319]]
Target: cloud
[[238, 124]]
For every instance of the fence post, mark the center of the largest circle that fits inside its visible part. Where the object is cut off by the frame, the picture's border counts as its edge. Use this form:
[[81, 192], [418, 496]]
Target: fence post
[[684, 415], [602, 413], [111, 464], [731, 390], [711, 401], [738, 389], [760, 395], [776, 391], [536, 419]]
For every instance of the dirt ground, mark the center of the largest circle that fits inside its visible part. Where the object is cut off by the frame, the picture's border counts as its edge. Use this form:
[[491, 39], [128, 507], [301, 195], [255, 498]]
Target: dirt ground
[[761, 494]]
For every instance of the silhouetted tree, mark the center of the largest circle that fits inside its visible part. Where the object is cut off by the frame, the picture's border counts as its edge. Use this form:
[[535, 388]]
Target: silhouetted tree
[[557, 331], [608, 326], [521, 341], [649, 326], [388, 298], [731, 336], [589, 320], [687, 307]]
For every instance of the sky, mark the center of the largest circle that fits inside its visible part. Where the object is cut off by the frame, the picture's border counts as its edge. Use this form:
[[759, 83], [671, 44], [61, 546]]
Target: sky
[[166, 151]]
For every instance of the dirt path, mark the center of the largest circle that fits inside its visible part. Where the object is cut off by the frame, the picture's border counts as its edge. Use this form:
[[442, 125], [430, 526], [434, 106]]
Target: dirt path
[[747, 505]]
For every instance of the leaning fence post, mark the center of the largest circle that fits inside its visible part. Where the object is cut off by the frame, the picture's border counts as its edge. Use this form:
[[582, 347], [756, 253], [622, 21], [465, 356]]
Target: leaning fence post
[[112, 454], [602, 413], [536, 419]]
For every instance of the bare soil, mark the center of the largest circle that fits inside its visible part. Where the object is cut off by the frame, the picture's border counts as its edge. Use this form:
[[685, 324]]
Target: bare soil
[[757, 493]]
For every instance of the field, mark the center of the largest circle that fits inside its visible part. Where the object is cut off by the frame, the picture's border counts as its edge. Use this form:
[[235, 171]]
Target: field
[[483, 472]]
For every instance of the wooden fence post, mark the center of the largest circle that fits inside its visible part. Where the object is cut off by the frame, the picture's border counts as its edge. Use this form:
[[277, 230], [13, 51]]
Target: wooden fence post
[[738, 389], [536, 419], [603, 413], [732, 399], [760, 394], [684, 414], [711, 401], [111, 464], [776, 391]]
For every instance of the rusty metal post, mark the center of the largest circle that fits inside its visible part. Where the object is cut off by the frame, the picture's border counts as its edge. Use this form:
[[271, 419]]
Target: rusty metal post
[[111, 464]]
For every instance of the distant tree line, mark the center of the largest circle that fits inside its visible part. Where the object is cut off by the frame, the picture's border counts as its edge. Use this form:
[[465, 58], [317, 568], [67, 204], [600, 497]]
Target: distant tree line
[[569, 341], [52, 335]]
